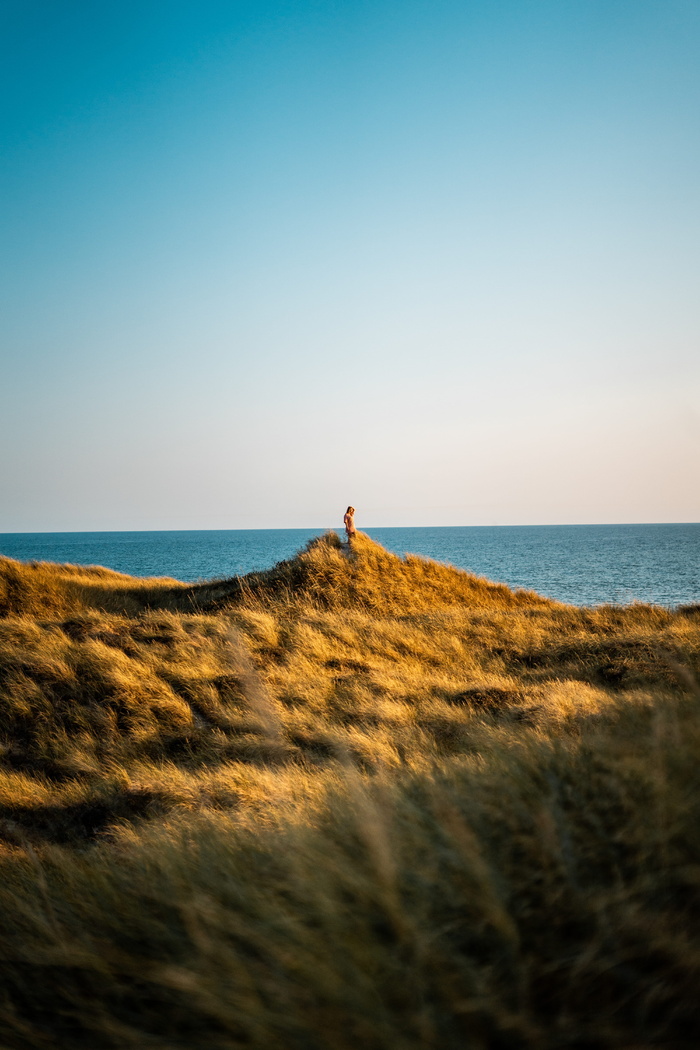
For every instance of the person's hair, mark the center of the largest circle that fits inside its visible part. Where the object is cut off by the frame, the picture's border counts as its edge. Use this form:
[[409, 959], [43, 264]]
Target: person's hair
[[350, 510]]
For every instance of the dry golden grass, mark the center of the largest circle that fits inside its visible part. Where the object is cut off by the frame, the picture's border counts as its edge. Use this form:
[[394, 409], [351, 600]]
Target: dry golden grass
[[354, 800]]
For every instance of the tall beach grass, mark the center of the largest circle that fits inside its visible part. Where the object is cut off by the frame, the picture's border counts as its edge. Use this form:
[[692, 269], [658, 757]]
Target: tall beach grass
[[354, 800]]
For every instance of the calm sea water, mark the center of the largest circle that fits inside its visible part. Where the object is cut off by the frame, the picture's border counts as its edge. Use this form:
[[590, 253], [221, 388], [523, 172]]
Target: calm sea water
[[582, 564]]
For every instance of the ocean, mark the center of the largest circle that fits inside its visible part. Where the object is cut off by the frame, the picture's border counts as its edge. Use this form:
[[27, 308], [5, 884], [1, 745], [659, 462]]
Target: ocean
[[580, 564]]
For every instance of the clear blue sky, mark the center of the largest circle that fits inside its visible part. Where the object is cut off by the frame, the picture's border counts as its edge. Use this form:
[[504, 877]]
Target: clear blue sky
[[261, 259]]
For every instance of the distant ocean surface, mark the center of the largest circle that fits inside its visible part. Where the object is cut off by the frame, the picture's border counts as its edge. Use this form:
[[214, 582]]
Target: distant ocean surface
[[581, 564]]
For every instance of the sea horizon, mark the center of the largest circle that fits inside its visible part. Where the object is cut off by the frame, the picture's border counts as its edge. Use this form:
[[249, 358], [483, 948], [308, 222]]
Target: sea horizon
[[581, 564], [339, 528]]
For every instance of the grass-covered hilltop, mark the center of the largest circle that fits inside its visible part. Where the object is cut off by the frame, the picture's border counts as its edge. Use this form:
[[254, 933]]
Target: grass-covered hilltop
[[356, 801]]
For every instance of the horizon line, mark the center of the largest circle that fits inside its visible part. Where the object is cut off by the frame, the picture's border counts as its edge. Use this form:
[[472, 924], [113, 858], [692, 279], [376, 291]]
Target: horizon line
[[339, 528]]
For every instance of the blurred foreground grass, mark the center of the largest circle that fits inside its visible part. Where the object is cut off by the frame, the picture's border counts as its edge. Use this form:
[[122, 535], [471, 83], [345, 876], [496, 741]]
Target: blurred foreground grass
[[354, 801]]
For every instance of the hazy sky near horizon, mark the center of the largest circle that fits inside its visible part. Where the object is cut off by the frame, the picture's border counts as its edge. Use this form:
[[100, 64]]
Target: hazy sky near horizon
[[438, 259]]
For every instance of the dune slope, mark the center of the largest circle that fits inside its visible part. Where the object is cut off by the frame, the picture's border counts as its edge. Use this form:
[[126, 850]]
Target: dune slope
[[353, 799]]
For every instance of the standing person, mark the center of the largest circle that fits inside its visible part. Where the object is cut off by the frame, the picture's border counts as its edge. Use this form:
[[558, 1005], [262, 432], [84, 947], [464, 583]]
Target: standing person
[[349, 521]]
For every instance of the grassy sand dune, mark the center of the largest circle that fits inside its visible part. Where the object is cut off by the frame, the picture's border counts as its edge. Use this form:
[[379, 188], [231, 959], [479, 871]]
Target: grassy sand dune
[[324, 573], [356, 799]]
